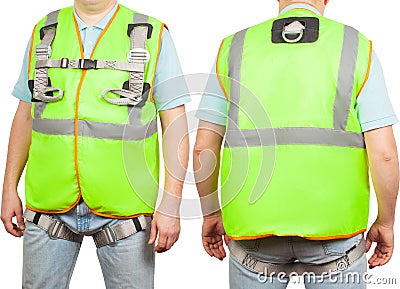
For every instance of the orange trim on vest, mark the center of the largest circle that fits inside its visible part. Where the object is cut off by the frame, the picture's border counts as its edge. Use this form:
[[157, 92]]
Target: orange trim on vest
[[78, 94], [30, 51], [119, 217], [56, 212], [217, 71], [368, 69], [105, 30], [78, 34], [246, 238], [155, 66], [93, 211]]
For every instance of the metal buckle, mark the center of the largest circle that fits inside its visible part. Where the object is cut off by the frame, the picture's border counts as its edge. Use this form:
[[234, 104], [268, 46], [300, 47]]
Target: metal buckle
[[138, 55], [110, 236], [64, 63], [43, 50], [87, 64], [343, 263], [54, 229]]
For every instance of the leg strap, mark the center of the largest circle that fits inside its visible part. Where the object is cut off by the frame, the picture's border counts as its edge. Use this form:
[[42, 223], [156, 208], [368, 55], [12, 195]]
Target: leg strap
[[270, 269], [54, 227], [111, 234]]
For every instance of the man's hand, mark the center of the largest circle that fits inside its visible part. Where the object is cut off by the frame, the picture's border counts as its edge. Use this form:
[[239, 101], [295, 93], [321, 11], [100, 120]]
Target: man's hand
[[383, 236], [167, 228], [11, 206], [213, 234], [18, 150]]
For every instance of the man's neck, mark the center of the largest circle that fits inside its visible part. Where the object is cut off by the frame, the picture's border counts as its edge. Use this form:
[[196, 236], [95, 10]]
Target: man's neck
[[92, 13], [285, 3]]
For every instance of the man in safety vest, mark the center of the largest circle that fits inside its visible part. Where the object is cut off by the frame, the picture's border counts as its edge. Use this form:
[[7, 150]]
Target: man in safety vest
[[86, 123], [298, 110]]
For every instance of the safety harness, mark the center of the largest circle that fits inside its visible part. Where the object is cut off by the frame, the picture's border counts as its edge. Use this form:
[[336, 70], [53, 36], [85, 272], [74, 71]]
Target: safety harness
[[269, 269], [132, 90], [109, 235]]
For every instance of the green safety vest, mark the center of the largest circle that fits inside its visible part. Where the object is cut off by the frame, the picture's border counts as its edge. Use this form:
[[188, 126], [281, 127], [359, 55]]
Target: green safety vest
[[101, 148], [294, 161]]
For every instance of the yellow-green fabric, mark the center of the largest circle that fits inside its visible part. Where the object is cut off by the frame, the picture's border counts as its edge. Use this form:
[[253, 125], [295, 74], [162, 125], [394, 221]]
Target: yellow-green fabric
[[63, 166], [314, 190]]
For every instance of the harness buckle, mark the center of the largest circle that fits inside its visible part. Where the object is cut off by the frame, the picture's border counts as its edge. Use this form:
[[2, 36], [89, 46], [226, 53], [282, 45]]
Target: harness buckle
[[138, 55], [87, 64], [64, 63], [43, 50], [54, 229], [110, 236], [343, 263]]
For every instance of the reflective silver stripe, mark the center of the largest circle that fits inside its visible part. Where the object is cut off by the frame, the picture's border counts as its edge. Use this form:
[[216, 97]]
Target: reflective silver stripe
[[234, 72], [94, 129], [346, 76], [294, 136], [291, 136], [41, 75]]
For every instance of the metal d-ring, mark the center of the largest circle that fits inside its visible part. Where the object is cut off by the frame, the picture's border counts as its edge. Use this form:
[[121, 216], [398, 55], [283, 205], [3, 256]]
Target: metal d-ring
[[300, 32]]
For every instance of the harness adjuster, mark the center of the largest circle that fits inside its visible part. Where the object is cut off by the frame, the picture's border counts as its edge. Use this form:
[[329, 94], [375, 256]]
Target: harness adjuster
[[132, 26], [54, 229], [44, 29], [138, 55], [43, 50], [87, 64], [110, 236]]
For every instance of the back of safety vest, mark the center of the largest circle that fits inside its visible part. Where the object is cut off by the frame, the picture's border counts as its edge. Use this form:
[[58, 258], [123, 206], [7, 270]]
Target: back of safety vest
[[294, 161]]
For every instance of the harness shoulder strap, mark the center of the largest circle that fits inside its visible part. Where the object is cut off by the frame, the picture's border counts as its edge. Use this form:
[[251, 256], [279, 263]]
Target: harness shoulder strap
[[42, 91], [132, 92]]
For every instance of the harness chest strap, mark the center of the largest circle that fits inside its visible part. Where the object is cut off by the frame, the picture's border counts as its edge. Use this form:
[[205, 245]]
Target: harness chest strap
[[88, 64], [270, 269], [137, 58]]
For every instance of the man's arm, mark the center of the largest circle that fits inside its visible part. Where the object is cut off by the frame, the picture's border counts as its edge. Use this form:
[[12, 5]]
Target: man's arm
[[176, 155], [18, 149], [384, 166], [206, 164]]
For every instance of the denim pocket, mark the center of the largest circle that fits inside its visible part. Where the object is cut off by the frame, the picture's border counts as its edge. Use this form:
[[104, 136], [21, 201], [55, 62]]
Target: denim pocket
[[339, 247], [251, 245]]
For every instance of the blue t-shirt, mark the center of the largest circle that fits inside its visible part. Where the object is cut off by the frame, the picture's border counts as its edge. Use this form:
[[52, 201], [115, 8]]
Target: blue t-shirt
[[373, 104], [168, 67]]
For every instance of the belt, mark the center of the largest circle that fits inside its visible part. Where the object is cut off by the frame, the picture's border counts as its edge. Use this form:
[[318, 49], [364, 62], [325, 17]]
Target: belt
[[269, 269]]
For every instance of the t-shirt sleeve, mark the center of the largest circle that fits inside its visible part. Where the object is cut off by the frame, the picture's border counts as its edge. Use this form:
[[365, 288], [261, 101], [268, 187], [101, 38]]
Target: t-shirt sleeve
[[21, 89], [170, 88], [213, 106], [373, 104]]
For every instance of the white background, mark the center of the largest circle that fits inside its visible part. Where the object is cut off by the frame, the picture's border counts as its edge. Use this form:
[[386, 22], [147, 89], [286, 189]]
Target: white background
[[197, 28]]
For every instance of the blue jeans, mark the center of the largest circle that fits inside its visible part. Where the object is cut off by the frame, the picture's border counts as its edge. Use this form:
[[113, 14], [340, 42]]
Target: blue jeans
[[49, 263], [283, 250]]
